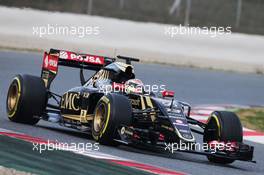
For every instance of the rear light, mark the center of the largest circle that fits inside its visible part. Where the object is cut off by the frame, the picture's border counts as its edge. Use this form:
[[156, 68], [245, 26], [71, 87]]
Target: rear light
[[167, 93]]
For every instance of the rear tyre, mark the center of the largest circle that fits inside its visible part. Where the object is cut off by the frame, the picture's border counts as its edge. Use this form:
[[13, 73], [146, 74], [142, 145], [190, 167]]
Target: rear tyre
[[112, 110], [223, 126], [26, 98]]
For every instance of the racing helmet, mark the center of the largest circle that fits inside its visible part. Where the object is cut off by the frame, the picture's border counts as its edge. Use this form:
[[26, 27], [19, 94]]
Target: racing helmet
[[135, 86]]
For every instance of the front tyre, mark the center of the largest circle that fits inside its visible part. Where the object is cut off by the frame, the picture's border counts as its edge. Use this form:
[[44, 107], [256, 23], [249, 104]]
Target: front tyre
[[112, 110], [26, 98], [223, 126]]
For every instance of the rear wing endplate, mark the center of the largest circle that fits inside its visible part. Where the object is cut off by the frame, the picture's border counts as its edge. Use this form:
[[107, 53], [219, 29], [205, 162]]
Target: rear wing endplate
[[54, 58]]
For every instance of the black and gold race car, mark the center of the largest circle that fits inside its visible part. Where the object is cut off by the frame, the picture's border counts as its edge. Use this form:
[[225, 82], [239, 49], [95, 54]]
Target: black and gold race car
[[115, 109]]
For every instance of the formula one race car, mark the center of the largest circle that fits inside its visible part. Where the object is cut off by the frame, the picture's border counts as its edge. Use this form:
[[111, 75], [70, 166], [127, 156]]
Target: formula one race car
[[115, 109]]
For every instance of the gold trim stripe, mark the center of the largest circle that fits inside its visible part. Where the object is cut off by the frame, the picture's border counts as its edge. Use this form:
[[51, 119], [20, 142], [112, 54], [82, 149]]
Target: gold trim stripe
[[149, 104]]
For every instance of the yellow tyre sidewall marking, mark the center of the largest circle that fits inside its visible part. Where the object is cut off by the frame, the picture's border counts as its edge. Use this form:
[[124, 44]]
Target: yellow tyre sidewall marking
[[19, 93], [107, 117], [218, 124], [107, 120]]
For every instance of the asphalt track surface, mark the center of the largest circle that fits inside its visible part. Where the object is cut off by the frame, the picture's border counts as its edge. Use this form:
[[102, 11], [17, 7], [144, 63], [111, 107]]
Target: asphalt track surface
[[192, 85]]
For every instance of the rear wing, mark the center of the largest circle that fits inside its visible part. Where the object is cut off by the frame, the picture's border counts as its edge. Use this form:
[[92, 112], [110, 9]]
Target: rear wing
[[54, 58]]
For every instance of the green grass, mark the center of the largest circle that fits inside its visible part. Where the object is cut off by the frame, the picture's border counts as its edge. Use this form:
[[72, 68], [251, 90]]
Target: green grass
[[252, 118]]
